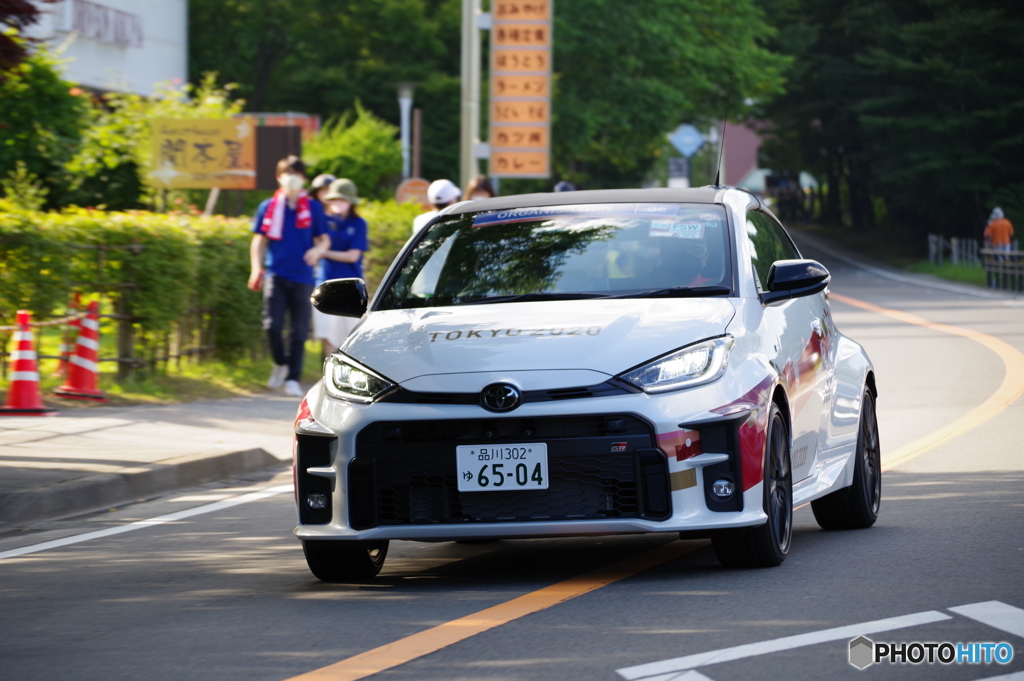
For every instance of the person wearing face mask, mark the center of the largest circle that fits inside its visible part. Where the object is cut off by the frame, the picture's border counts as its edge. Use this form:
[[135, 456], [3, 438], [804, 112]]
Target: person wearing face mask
[[289, 235], [342, 260]]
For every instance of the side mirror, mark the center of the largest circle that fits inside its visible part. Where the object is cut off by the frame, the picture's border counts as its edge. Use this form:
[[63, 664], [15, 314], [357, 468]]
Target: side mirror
[[794, 279], [341, 297]]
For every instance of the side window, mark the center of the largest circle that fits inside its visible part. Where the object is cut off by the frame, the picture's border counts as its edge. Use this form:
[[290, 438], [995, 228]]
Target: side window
[[768, 243]]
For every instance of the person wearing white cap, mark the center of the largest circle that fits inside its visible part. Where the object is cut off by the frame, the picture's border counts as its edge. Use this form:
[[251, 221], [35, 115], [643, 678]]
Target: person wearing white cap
[[440, 193]]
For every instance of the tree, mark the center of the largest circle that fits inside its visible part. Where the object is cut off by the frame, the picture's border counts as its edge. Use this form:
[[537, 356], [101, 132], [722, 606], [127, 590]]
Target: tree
[[17, 15], [42, 117], [362, 148], [626, 73], [911, 110]]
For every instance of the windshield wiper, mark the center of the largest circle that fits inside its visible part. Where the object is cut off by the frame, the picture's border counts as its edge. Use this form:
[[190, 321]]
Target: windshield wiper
[[526, 297], [677, 292]]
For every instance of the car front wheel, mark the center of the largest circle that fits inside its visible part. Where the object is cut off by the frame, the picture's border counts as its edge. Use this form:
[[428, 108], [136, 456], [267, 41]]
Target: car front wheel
[[768, 544], [333, 561], [856, 507]]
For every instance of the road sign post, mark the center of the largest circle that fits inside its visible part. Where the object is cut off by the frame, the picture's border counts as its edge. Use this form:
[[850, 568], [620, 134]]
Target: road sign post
[[521, 47]]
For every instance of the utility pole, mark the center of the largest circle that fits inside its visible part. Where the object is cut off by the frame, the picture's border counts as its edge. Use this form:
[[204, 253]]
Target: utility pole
[[470, 134], [405, 91]]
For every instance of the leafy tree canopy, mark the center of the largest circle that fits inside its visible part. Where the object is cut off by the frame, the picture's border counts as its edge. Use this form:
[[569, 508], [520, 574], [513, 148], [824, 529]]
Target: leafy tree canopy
[[911, 110], [626, 72]]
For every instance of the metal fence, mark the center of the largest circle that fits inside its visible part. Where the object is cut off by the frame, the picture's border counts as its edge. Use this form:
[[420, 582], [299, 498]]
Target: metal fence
[[1004, 269]]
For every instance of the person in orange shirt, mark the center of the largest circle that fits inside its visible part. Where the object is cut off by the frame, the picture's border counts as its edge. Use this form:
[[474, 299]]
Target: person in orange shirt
[[999, 230]]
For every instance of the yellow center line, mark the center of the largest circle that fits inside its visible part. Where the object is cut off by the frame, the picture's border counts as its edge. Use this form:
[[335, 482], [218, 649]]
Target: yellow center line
[[1008, 391], [434, 639]]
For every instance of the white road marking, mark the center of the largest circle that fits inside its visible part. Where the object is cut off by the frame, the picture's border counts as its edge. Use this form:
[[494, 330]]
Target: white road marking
[[994, 614], [661, 670], [691, 675], [138, 525]]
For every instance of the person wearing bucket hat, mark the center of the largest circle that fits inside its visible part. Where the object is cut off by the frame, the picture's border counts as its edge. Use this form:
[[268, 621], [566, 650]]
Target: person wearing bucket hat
[[343, 259]]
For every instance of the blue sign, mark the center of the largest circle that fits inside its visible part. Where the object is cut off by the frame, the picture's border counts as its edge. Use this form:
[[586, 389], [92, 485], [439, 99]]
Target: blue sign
[[687, 139]]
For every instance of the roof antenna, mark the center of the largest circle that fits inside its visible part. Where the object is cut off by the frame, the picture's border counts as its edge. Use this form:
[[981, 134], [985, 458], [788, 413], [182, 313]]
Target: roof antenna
[[721, 147]]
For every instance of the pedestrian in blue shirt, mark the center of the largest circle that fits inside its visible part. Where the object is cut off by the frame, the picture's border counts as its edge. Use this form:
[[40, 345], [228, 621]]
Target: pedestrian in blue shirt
[[289, 235], [343, 259]]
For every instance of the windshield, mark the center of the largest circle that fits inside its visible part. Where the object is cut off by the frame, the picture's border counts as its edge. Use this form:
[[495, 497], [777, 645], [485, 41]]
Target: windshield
[[565, 252]]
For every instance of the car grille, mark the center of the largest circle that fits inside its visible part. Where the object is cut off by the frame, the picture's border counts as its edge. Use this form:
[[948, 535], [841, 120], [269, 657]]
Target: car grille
[[404, 472]]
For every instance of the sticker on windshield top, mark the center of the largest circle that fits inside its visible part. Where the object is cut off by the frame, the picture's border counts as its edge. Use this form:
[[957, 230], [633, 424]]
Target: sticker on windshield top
[[676, 230]]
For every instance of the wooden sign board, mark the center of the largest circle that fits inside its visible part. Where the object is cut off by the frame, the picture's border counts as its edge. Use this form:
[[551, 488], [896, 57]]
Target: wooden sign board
[[521, 43], [413, 190], [203, 154]]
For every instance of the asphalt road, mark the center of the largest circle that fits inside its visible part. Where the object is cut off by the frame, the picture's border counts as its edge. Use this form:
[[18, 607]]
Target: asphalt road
[[226, 594]]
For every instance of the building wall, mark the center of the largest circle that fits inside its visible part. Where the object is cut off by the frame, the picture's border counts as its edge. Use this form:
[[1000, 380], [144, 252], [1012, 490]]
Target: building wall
[[741, 147], [147, 44]]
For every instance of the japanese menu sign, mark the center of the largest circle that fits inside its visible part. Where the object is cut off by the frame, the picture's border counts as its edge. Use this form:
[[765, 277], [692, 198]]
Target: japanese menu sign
[[521, 47], [203, 154]]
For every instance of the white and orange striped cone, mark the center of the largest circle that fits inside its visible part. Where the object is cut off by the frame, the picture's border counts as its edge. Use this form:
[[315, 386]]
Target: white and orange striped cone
[[83, 366], [23, 396], [70, 335]]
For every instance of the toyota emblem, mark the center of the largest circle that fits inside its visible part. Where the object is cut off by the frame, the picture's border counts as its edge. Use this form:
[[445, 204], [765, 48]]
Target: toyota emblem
[[500, 397]]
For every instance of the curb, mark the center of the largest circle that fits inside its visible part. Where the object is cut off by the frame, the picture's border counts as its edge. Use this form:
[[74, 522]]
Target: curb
[[96, 492]]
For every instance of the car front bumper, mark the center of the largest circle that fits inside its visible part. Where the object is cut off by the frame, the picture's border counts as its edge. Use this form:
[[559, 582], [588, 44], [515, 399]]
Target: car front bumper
[[736, 404]]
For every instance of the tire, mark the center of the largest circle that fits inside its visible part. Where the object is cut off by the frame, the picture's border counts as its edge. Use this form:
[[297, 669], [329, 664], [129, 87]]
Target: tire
[[856, 507], [332, 561], [765, 545]]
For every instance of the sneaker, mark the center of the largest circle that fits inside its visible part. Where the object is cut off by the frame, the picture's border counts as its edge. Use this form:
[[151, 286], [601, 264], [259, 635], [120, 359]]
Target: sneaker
[[277, 376], [293, 388]]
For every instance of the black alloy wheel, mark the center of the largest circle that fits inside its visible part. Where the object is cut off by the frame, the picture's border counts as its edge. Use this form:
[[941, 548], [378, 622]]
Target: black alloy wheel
[[856, 507], [338, 561], [765, 545]]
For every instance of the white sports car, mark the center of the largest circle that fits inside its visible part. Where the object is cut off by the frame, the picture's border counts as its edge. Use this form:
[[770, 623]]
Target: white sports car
[[587, 363]]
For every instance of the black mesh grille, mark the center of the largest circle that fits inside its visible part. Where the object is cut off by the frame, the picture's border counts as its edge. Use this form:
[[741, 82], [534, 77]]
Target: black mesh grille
[[415, 477]]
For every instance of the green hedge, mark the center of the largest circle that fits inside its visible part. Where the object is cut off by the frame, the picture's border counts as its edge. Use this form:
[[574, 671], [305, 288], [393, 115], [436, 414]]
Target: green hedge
[[176, 260]]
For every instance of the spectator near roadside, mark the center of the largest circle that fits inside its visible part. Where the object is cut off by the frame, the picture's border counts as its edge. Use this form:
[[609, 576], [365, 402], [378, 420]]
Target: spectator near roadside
[[480, 187], [343, 258], [999, 230], [318, 187], [288, 238], [440, 194]]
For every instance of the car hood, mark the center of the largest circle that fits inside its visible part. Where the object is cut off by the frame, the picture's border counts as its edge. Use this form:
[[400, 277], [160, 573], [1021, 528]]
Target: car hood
[[552, 338]]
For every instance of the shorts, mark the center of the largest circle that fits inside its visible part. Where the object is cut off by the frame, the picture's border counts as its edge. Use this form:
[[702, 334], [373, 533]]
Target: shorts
[[332, 328]]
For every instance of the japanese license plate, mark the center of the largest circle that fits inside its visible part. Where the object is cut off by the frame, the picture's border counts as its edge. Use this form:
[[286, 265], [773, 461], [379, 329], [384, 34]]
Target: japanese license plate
[[497, 468]]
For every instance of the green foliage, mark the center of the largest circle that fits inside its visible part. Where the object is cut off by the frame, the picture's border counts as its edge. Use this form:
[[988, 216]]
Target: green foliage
[[172, 262], [625, 73], [117, 144], [389, 225], [966, 274], [629, 72], [915, 102], [23, 188], [42, 118], [364, 149]]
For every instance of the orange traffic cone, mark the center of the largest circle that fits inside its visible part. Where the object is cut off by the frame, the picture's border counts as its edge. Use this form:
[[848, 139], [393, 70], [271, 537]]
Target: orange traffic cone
[[83, 367], [23, 396], [70, 335]]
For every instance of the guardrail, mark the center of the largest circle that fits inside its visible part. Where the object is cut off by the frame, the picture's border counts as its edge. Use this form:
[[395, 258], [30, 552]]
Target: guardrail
[[1004, 269]]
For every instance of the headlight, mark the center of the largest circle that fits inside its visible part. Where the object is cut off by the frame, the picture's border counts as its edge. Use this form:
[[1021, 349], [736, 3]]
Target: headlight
[[348, 380], [696, 364]]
